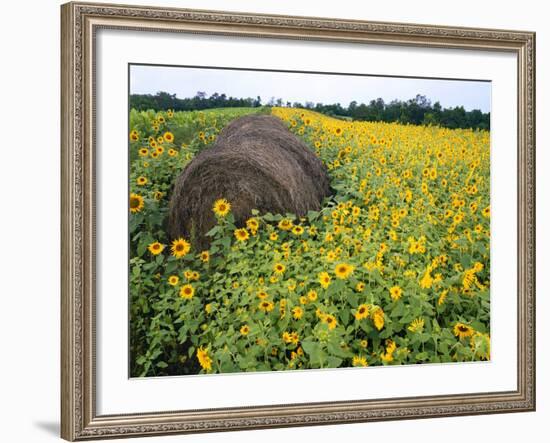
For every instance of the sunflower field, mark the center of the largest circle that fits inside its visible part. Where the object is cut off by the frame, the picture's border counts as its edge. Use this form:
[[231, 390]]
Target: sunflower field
[[393, 270]]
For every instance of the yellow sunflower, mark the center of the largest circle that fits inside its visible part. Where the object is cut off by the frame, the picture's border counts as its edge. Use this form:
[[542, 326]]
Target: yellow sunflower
[[180, 247], [136, 203], [266, 306], [324, 279], [330, 320], [285, 224], [362, 312], [168, 137], [290, 337], [359, 361], [173, 280], [331, 256], [390, 346], [279, 268], [187, 291], [343, 270], [297, 312], [297, 230], [462, 331], [155, 248], [141, 181], [241, 234], [253, 224], [221, 207], [378, 318], [204, 359], [396, 293]]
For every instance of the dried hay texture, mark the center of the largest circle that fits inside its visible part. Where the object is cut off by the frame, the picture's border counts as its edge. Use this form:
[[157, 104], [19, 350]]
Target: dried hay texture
[[255, 163]]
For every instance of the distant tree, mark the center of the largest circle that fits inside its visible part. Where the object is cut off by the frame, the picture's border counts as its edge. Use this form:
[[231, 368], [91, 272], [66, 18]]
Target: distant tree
[[429, 119], [361, 112]]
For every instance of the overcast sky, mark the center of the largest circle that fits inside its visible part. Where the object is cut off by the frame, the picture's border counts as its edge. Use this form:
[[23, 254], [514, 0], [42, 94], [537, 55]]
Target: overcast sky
[[299, 87]]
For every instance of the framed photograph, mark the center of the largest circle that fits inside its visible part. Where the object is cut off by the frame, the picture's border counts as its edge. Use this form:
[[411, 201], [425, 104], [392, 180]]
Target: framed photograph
[[283, 221]]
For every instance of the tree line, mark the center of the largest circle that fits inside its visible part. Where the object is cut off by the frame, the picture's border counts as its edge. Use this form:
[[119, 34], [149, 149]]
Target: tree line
[[418, 110], [163, 101]]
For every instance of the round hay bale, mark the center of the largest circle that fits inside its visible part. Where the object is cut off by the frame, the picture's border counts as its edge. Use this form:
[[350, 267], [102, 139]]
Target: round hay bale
[[255, 163]]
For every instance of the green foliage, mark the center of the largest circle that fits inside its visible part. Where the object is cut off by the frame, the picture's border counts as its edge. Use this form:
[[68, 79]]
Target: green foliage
[[388, 223]]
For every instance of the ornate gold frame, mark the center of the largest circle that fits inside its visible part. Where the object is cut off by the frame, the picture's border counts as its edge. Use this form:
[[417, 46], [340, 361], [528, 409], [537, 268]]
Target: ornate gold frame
[[79, 23]]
